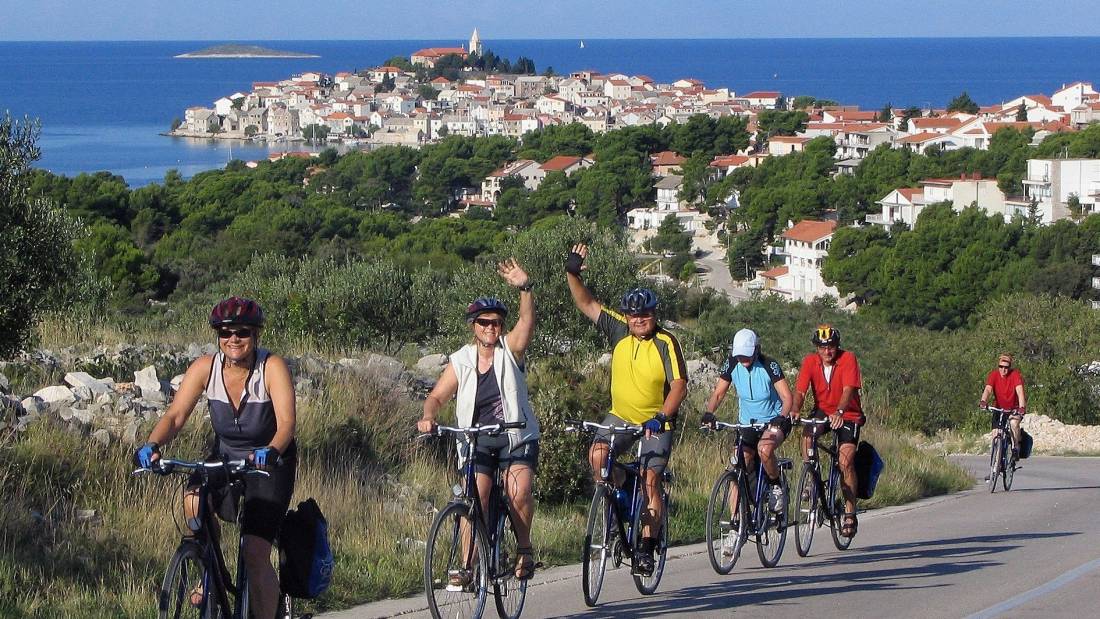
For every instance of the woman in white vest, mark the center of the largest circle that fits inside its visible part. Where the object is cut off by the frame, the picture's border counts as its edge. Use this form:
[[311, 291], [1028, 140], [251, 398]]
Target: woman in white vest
[[488, 378]]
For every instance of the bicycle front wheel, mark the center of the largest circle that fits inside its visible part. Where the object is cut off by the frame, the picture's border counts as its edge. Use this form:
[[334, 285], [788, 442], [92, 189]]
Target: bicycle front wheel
[[596, 549], [807, 510], [647, 585], [773, 535], [994, 463], [727, 525], [509, 592], [836, 507], [1008, 464], [456, 565], [184, 592]]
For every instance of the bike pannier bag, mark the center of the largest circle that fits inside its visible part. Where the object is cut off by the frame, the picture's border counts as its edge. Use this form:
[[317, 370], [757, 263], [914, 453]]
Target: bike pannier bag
[[1026, 442], [868, 468], [305, 556]]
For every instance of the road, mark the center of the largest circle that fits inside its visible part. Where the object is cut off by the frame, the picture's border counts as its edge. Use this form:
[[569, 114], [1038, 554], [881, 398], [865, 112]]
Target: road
[[715, 274], [1031, 552]]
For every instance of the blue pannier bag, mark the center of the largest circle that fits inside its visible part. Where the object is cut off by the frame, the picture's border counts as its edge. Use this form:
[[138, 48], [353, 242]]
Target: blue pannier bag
[[868, 468], [305, 556]]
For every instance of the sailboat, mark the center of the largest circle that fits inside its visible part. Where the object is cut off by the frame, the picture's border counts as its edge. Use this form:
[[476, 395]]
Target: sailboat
[[582, 44]]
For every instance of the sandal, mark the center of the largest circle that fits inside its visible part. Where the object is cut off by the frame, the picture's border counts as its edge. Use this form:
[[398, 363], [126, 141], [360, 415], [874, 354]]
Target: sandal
[[850, 525], [196, 595], [525, 563]]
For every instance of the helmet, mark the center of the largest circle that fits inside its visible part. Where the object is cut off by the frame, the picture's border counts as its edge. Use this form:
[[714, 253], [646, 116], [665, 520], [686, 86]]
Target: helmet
[[638, 300], [482, 305], [826, 335], [237, 311]]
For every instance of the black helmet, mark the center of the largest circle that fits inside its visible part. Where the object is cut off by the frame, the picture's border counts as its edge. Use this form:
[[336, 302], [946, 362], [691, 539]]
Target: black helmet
[[236, 311], [825, 335], [482, 305], [638, 301]]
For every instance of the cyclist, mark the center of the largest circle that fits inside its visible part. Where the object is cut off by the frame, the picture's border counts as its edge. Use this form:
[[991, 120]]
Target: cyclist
[[648, 383], [763, 397], [833, 374], [489, 378], [250, 396], [1006, 385]]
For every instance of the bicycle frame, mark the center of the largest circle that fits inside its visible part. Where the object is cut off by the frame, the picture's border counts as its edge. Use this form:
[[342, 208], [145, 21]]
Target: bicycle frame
[[815, 463], [737, 464], [1000, 452]]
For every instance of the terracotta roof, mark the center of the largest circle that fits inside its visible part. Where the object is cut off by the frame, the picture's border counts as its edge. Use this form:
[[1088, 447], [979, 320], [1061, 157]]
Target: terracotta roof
[[761, 94], [793, 139], [917, 138], [441, 80], [946, 123], [809, 230], [726, 161], [560, 163], [438, 52], [774, 273], [910, 193], [666, 158]]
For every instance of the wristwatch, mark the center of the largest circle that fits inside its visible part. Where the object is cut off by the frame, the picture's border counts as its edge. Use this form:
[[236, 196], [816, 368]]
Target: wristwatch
[[527, 287]]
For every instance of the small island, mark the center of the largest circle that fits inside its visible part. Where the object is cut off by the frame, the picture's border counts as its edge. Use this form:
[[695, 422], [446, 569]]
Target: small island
[[243, 51]]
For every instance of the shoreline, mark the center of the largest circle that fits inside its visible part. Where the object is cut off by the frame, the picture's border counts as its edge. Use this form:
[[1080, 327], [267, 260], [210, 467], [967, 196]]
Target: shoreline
[[190, 55]]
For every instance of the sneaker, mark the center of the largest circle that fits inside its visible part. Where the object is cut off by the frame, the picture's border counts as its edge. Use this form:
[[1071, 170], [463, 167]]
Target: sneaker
[[775, 498], [729, 544], [459, 580], [643, 562]]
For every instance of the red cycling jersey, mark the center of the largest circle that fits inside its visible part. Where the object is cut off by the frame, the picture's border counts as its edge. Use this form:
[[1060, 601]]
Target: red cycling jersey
[[827, 392], [1004, 388]]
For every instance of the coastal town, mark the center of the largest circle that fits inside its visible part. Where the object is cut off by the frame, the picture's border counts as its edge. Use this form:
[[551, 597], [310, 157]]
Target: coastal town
[[387, 105]]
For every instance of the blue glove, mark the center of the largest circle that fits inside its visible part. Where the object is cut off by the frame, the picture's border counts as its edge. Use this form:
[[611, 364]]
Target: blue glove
[[143, 457], [657, 424], [265, 457], [709, 420]]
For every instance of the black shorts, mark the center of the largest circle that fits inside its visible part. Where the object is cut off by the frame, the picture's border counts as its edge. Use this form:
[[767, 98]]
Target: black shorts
[[993, 420], [266, 499], [493, 454], [656, 450], [751, 436], [847, 433]]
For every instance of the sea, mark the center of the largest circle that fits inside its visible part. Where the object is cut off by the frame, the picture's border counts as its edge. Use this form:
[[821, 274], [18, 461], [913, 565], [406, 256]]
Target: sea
[[104, 105]]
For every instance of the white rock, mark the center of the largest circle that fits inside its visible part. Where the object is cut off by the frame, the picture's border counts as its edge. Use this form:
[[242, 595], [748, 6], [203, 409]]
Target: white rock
[[103, 437], [82, 393], [605, 359], [5, 384], [82, 416], [55, 394], [432, 363], [84, 379], [34, 406]]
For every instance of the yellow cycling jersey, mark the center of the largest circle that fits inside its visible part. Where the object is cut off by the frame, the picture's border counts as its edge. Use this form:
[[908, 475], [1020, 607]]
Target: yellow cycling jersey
[[641, 369]]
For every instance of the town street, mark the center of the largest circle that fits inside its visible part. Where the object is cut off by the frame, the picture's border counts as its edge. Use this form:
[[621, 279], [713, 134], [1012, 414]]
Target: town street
[[1034, 551]]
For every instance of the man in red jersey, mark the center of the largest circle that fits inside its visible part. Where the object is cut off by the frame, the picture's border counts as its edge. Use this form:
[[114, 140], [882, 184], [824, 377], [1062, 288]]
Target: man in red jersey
[[1006, 384], [834, 375]]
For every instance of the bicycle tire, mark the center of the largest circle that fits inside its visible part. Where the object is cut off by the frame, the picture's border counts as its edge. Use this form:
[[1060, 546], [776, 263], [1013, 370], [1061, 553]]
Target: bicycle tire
[[186, 570], [444, 554], [807, 509], [837, 506], [595, 553], [1008, 464], [994, 463], [647, 585], [726, 534], [509, 592], [773, 536]]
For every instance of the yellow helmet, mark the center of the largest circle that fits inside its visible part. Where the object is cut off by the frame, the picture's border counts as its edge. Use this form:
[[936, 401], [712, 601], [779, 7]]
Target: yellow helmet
[[826, 335]]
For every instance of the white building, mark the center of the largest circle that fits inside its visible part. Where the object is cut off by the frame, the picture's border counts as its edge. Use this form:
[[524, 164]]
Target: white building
[[1051, 182], [904, 205], [806, 244]]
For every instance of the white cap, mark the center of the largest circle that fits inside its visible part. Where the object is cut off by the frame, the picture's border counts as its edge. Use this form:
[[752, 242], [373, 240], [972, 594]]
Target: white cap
[[744, 343]]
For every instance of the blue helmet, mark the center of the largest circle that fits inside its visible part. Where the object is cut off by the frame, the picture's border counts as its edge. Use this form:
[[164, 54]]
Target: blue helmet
[[482, 305], [638, 301]]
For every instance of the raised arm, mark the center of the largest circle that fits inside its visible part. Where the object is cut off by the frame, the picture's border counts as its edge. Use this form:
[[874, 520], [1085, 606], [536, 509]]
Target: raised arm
[[582, 297], [520, 336]]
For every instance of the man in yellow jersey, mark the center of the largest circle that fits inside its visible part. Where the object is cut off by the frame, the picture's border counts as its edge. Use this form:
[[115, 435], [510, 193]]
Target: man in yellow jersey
[[648, 383]]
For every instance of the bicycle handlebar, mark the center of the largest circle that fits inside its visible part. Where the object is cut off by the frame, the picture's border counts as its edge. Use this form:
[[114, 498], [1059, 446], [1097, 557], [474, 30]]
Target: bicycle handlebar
[[814, 422], [995, 410], [164, 466], [576, 425], [722, 425], [492, 429]]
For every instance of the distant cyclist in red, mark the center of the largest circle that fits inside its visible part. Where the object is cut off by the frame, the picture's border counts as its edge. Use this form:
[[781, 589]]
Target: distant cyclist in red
[[1006, 384]]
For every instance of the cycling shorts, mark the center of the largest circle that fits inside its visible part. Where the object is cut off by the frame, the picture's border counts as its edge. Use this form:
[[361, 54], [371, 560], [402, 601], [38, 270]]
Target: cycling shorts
[[751, 436], [656, 450], [1011, 416], [493, 454], [265, 499], [847, 433]]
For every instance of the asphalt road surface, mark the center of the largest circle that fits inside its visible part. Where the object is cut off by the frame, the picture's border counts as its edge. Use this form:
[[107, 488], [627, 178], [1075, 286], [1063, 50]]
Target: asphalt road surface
[[1031, 552]]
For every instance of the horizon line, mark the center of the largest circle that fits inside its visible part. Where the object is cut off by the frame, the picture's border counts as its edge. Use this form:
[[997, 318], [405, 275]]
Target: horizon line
[[576, 38]]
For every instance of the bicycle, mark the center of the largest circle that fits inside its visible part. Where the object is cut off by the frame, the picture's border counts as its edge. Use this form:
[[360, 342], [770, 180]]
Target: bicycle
[[728, 526], [818, 502], [614, 531], [461, 547], [198, 566], [1003, 453]]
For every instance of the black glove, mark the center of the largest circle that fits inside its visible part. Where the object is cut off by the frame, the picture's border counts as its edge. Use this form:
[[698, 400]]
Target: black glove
[[573, 263], [709, 420]]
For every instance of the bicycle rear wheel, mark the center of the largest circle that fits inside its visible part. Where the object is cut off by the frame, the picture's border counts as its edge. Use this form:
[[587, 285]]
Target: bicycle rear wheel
[[773, 535], [509, 592], [727, 526], [1008, 464], [807, 509], [447, 558], [186, 578], [596, 550], [647, 585], [837, 506], [994, 463]]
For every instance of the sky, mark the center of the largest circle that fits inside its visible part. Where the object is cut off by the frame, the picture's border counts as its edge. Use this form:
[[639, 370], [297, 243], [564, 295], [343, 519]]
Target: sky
[[240, 20]]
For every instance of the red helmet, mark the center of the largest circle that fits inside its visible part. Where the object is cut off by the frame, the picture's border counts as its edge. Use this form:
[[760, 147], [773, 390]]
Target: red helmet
[[237, 311]]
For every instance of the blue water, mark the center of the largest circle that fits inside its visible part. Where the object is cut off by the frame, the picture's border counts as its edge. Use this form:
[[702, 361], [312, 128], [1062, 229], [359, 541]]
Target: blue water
[[102, 105]]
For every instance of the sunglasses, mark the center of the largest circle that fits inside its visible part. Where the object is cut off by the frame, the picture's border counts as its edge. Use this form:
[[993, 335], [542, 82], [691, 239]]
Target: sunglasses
[[641, 316], [243, 334], [488, 322], [1004, 367]]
